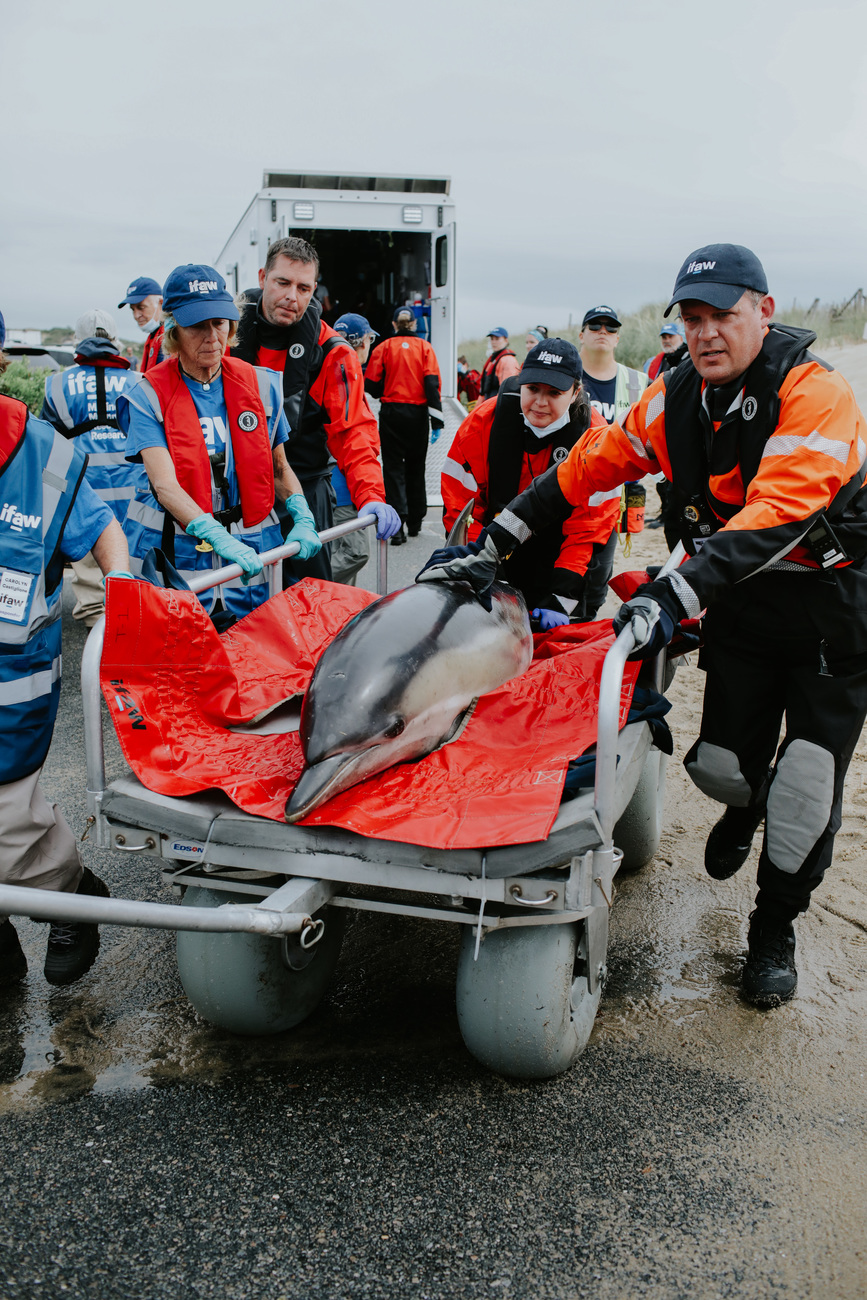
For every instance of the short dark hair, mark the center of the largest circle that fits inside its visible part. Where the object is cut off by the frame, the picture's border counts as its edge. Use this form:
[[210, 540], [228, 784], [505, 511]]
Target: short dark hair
[[297, 250]]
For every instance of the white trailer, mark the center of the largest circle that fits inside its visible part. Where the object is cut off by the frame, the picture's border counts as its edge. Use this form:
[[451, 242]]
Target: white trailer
[[382, 241]]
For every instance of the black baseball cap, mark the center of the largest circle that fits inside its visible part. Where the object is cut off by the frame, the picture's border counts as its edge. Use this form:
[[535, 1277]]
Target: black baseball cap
[[601, 313], [555, 362], [718, 274]]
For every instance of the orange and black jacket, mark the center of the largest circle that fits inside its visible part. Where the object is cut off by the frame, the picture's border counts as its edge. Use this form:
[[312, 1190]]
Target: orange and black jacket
[[403, 371], [323, 397], [751, 482], [499, 367], [493, 456]]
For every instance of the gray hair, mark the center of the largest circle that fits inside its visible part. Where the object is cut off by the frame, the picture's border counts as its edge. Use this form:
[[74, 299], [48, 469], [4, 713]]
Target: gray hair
[[171, 342]]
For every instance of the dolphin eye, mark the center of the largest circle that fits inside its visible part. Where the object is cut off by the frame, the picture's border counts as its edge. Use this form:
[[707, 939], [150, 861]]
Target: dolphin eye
[[397, 728]]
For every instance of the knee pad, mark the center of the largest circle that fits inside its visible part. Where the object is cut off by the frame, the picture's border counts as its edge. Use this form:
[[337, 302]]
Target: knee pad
[[717, 773], [799, 803]]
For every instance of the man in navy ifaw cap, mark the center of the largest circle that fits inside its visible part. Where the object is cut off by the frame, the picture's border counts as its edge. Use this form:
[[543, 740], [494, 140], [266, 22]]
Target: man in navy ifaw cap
[[145, 297]]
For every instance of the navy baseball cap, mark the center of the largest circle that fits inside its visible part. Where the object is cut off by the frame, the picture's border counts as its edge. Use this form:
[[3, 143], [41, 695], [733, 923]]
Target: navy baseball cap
[[140, 289], [675, 327], [718, 274], [600, 313], [354, 327], [2, 330], [498, 333], [555, 362], [196, 292]]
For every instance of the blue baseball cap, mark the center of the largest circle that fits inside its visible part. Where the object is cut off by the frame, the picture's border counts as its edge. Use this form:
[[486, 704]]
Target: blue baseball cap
[[602, 312], [553, 361], [140, 289], [676, 327], [354, 327], [718, 274], [498, 333], [196, 292]]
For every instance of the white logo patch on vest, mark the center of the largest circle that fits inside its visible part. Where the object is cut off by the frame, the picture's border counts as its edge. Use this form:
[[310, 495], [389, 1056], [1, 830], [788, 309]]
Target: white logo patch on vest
[[248, 421], [749, 408], [11, 515], [404, 345], [560, 453], [296, 351], [14, 590]]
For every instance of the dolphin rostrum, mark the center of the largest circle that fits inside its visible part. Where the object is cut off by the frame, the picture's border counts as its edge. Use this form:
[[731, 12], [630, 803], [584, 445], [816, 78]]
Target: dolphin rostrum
[[401, 679]]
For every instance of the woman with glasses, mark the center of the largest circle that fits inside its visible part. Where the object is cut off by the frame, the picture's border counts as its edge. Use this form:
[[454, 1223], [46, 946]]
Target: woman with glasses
[[613, 387]]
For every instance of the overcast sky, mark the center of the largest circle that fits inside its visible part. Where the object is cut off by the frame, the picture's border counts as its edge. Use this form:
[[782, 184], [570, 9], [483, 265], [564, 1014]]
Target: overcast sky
[[591, 146]]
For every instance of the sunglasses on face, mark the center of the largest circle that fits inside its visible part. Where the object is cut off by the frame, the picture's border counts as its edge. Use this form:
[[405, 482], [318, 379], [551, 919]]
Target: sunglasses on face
[[598, 326]]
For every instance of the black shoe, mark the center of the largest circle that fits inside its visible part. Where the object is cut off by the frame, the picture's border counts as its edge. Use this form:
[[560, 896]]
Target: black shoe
[[413, 532], [13, 963], [769, 975], [729, 843], [73, 945], [399, 537]]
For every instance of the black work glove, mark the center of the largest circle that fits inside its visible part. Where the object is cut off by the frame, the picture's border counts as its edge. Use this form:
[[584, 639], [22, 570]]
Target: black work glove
[[651, 625], [476, 564]]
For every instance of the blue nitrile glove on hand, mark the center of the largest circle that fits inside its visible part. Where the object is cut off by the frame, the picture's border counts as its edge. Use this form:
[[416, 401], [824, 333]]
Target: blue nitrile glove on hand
[[206, 529], [119, 573], [387, 519], [476, 564], [304, 528], [651, 626], [435, 432], [548, 618]]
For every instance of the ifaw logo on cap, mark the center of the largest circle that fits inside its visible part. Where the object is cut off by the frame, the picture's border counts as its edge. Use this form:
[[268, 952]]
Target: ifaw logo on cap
[[202, 286], [550, 358], [696, 268], [130, 290]]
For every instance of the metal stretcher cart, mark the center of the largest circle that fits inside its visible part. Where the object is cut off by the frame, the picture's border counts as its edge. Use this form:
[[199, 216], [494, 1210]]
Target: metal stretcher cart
[[263, 903]]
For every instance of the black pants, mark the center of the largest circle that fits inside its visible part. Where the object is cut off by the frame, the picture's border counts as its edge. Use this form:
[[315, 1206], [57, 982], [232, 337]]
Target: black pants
[[755, 680], [596, 578], [320, 498], [668, 513], [403, 435]]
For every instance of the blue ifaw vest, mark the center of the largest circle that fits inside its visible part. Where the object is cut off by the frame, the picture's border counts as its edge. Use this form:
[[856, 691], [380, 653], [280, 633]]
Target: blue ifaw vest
[[38, 483]]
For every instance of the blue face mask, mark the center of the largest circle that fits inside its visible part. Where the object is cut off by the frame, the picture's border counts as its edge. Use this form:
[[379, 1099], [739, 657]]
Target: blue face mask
[[151, 325]]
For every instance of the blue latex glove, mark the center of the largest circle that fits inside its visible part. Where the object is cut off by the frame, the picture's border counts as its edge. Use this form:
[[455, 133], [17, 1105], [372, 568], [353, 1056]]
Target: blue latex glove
[[119, 573], [476, 564], [548, 618], [206, 529], [387, 519], [304, 530], [435, 433], [651, 626]]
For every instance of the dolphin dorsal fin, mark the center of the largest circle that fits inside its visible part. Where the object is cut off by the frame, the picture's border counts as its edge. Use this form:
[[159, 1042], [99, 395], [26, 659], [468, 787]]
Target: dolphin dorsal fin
[[461, 526]]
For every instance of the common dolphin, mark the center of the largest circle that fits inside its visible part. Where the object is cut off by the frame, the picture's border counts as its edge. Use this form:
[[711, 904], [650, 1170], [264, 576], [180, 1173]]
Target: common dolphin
[[401, 679]]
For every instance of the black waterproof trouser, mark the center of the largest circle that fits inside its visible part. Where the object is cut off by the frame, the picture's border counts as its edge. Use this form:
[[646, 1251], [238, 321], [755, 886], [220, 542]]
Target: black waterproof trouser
[[403, 436], [759, 677], [320, 498]]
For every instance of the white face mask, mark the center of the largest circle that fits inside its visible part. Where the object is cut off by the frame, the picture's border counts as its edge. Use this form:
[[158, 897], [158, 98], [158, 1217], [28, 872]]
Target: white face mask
[[559, 423], [151, 325]]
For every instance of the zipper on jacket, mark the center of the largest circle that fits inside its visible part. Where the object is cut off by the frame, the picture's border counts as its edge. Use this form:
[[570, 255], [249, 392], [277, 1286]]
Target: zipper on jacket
[[346, 389]]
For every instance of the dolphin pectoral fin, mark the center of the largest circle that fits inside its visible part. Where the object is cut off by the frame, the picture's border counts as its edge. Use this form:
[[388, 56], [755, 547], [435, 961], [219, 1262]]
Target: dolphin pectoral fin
[[319, 782]]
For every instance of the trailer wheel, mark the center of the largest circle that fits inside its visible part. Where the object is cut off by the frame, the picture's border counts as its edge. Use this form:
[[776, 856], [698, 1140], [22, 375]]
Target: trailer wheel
[[239, 981], [640, 826], [521, 1008]]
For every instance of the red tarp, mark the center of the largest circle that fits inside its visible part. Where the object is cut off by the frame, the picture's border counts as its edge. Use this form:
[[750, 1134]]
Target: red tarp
[[173, 685]]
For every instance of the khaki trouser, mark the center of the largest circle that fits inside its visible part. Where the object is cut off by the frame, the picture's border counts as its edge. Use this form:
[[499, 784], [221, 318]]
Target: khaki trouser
[[349, 554], [88, 586], [37, 848]]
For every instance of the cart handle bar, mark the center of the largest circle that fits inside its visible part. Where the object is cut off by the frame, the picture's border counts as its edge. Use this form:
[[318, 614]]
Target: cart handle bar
[[230, 918], [607, 729]]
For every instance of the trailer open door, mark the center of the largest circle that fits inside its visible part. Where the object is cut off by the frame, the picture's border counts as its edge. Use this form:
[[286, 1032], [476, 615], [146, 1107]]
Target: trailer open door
[[442, 316]]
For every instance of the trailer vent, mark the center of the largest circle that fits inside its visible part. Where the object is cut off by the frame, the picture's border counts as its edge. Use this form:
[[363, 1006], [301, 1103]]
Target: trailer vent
[[413, 216], [303, 211]]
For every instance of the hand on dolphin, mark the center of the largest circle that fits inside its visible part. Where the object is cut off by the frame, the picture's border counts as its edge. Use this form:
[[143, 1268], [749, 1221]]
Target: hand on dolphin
[[477, 563]]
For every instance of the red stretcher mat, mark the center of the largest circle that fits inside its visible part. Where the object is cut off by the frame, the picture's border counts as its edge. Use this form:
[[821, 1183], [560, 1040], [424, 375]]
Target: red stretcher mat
[[173, 687]]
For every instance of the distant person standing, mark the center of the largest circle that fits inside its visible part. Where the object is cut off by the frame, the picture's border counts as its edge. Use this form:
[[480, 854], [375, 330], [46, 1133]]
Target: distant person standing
[[469, 383], [349, 554], [673, 341], [501, 363], [404, 374], [613, 387], [81, 403], [536, 335], [145, 298]]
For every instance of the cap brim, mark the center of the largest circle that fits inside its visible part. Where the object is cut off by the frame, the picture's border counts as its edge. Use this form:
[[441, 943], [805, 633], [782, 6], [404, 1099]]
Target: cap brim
[[543, 375], [591, 319], [131, 302], [193, 313], [715, 295]]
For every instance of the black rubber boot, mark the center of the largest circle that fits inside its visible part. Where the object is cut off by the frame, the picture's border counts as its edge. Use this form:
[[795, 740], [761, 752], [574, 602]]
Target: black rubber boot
[[769, 975], [729, 843], [13, 963], [399, 538], [73, 945]]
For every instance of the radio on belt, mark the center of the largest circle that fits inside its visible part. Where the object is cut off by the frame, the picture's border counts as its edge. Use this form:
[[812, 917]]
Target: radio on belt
[[823, 545]]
